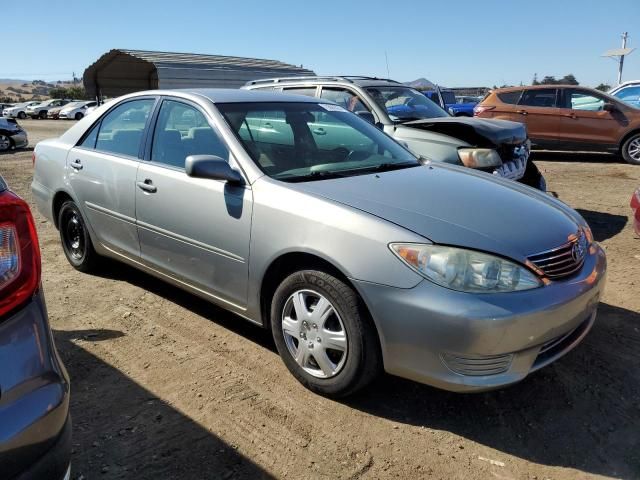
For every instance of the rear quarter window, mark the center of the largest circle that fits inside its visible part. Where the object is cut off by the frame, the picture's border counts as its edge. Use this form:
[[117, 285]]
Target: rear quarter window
[[510, 97]]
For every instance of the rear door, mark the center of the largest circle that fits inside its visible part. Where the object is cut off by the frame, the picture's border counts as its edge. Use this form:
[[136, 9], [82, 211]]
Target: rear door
[[584, 121], [102, 173], [538, 109], [194, 230]]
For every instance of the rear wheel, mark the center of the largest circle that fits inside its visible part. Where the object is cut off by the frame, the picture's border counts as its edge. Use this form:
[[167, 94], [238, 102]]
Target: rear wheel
[[631, 149], [5, 143], [323, 333], [22, 115], [75, 238]]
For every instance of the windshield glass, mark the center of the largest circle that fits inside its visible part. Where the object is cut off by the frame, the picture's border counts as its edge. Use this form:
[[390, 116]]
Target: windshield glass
[[308, 141], [405, 104]]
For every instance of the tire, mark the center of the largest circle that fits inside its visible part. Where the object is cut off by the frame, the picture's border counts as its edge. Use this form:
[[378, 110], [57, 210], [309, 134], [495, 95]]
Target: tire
[[5, 143], [79, 116], [42, 115], [631, 149], [22, 115], [333, 372], [76, 242]]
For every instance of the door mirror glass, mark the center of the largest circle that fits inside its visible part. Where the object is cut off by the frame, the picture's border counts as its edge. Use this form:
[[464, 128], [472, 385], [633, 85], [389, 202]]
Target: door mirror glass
[[212, 167]]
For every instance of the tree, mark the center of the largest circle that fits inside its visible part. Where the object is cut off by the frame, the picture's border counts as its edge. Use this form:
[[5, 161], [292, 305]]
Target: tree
[[569, 79], [603, 87], [74, 92], [549, 80], [535, 80]]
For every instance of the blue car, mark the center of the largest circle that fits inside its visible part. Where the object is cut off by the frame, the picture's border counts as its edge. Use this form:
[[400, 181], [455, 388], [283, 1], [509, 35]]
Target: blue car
[[451, 104], [35, 428]]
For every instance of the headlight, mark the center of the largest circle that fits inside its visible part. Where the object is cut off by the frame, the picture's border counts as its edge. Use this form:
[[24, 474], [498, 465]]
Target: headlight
[[465, 270], [479, 157]]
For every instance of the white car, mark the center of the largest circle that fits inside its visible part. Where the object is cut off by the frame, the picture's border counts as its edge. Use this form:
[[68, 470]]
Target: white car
[[19, 110], [76, 110], [92, 109], [42, 108], [628, 92]]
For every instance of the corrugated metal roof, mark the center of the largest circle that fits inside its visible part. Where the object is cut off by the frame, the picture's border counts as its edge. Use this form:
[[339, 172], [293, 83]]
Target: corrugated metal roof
[[121, 71]]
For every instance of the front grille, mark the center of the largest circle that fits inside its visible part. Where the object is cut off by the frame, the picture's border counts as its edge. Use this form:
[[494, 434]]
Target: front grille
[[564, 260], [477, 365]]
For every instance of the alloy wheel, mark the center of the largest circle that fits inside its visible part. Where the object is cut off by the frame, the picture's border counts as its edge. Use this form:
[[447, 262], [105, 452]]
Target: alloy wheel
[[314, 334], [633, 149]]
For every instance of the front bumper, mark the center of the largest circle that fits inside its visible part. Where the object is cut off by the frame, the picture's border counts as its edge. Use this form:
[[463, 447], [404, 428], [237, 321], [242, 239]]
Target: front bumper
[[35, 428], [473, 342]]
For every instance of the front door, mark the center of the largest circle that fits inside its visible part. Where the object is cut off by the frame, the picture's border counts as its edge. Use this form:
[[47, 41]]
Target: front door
[[195, 230], [102, 173], [584, 121]]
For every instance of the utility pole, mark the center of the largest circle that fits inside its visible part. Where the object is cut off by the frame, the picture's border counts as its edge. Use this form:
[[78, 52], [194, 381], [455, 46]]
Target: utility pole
[[620, 53], [387, 60]]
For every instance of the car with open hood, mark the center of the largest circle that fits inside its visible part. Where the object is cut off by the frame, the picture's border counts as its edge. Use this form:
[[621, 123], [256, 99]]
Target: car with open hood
[[301, 217], [497, 147]]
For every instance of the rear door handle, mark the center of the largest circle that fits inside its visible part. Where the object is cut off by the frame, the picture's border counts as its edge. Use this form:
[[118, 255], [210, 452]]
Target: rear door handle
[[147, 186], [522, 112], [76, 164]]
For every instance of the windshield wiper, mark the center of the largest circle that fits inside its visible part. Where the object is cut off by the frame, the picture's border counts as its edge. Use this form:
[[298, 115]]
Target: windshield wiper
[[386, 167], [317, 175]]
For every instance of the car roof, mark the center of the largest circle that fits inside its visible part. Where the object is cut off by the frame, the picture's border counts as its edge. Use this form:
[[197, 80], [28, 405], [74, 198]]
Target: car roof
[[539, 87], [361, 81], [229, 95]]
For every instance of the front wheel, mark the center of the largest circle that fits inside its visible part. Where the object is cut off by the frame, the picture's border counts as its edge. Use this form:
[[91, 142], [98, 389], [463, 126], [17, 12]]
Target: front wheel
[[22, 115], [631, 149], [79, 116], [75, 238], [323, 333]]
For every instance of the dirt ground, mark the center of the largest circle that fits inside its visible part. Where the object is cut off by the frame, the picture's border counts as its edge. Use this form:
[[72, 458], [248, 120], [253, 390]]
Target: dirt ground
[[167, 386]]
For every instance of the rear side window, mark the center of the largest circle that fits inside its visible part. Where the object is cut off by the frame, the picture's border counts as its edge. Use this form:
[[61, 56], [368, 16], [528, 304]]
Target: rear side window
[[510, 97], [122, 128], [544, 97], [308, 91], [183, 130]]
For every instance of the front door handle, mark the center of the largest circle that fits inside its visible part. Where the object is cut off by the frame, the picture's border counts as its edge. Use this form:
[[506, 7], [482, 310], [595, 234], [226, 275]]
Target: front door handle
[[76, 164], [319, 131], [147, 186], [570, 115], [522, 112]]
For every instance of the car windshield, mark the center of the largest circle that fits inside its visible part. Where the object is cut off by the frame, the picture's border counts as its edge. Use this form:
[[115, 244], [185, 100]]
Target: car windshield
[[296, 142], [404, 104]]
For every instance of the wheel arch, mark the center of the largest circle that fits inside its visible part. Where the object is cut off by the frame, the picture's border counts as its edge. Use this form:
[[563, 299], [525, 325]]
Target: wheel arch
[[59, 198], [626, 137]]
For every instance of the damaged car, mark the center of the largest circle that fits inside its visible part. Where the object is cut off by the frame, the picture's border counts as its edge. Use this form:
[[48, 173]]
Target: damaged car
[[498, 147]]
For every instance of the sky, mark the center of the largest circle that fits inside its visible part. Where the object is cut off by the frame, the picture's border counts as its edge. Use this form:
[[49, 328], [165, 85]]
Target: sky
[[455, 44]]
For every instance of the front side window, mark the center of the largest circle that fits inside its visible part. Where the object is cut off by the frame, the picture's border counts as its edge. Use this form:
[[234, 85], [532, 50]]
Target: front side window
[[309, 141], [345, 98], [405, 104], [543, 97], [581, 100], [121, 129], [182, 130]]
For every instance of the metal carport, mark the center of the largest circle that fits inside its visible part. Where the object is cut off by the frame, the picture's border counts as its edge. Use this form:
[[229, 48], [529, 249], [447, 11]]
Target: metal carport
[[118, 71]]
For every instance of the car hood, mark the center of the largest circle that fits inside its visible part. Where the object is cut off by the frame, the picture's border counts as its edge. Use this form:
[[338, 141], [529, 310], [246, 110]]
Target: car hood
[[453, 205], [480, 132]]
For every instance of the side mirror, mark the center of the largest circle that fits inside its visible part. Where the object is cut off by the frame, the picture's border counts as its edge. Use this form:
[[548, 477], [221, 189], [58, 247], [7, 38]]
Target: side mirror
[[609, 107], [213, 167], [368, 116]]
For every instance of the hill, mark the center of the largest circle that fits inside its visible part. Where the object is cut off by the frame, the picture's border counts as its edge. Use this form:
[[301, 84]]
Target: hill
[[12, 90], [421, 83]]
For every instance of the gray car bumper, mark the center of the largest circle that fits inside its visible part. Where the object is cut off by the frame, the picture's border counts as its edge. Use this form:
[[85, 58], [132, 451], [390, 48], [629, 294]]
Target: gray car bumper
[[35, 428], [474, 342]]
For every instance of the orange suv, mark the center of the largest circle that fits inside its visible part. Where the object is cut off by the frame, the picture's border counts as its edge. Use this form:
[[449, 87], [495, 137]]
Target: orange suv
[[567, 117]]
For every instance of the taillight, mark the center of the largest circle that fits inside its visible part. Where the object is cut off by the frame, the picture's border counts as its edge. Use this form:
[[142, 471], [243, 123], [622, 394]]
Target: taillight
[[480, 109], [19, 253], [33, 158]]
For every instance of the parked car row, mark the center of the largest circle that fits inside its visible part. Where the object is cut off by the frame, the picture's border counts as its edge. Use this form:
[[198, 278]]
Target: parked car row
[[568, 117], [74, 110]]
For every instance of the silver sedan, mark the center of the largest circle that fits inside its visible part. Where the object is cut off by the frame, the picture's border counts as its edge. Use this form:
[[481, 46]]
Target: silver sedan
[[303, 218]]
